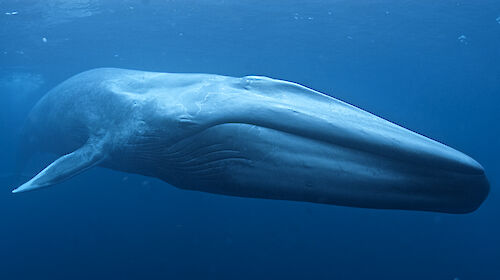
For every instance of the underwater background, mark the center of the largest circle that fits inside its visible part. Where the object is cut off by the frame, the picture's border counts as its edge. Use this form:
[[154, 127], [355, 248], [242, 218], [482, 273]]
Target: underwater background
[[430, 66]]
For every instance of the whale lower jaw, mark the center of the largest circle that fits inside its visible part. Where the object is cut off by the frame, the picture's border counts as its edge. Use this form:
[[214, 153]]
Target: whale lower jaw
[[252, 161]]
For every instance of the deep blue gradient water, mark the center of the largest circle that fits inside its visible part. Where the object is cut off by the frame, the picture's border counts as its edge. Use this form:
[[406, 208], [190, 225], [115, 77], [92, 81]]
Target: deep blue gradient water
[[431, 66]]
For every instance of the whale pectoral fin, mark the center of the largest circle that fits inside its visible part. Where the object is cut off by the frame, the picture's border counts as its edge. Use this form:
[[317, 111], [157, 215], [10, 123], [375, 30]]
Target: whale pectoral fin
[[65, 167]]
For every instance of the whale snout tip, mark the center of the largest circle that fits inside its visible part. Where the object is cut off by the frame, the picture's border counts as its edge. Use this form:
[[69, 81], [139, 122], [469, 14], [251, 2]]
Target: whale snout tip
[[469, 165], [478, 190], [17, 190], [471, 180], [475, 166], [25, 187]]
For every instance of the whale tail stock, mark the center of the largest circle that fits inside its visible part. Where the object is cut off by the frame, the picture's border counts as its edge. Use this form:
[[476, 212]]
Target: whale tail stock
[[67, 166]]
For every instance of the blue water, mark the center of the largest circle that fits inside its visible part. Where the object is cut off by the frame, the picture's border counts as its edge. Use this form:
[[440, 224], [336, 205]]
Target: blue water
[[431, 66]]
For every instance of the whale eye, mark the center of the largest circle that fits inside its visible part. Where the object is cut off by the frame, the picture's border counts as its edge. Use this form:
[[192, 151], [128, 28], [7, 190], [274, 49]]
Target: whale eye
[[186, 121]]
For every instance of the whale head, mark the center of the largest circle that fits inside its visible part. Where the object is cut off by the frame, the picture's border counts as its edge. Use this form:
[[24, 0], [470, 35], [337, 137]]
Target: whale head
[[307, 146]]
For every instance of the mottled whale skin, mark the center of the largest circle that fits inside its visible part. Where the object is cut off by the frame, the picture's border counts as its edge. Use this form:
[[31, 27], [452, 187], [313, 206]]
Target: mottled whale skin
[[248, 137]]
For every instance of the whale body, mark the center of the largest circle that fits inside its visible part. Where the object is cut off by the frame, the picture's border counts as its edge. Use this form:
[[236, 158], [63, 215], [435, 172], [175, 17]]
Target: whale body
[[250, 137]]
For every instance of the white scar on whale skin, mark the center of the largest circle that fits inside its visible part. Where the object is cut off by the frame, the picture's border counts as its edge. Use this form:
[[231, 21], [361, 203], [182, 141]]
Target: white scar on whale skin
[[250, 137]]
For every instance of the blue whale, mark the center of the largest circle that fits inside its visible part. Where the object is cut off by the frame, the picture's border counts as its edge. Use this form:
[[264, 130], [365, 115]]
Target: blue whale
[[249, 137]]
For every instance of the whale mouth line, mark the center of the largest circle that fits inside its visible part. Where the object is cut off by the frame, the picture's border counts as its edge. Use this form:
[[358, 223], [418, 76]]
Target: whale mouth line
[[386, 150]]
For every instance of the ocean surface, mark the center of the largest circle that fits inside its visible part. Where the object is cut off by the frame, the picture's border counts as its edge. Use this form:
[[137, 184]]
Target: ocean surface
[[430, 66]]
